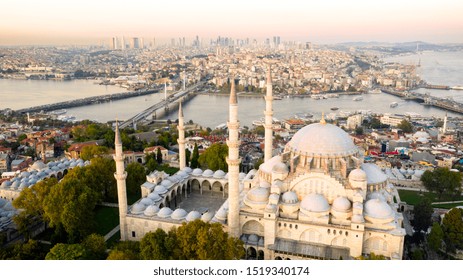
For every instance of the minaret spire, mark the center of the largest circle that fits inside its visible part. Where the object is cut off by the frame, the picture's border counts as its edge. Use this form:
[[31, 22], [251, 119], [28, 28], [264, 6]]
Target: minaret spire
[[444, 127], [233, 161], [268, 150], [120, 176], [181, 137]]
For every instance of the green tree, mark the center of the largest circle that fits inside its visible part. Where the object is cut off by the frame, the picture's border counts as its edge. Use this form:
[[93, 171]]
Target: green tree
[[70, 206], [125, 250], [258, 163], [95, 247], [214, 157], [443, 182], [187, 157], [195, 157], [199, 240], [159, 155], [422, 215], [452, 226], [159, 245], [359, 130], [260, 130], [22, 137], [66, 252], [89, 152], [435, 237], [151, 164], [405, 126], [136, 175]]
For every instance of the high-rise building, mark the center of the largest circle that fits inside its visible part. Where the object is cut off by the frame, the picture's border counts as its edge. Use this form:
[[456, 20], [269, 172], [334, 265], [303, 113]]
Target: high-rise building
[[134, 43], [113, 43]]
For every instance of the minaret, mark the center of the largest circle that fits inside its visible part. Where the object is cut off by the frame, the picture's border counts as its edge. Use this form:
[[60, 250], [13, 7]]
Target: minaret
[[120, 176], [181, 137], [444, 128], [268, 118], [233, 161]]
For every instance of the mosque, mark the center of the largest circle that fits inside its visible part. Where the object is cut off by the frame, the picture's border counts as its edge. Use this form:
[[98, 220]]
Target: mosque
[[316, 200]]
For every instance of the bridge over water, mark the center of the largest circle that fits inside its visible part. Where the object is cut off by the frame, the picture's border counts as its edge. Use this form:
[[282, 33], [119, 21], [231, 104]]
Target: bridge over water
[[164, 104]]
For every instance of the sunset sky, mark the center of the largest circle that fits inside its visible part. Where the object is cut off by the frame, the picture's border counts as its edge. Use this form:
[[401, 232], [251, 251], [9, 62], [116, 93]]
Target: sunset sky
[[328, 21]]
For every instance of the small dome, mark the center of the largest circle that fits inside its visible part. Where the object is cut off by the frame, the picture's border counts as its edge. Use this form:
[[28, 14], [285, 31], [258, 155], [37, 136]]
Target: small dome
[[193, 215], [244, 238], [51, 164], [154, 197], [146, 201], [289, 197], [5, 184], [61, 166], [187, 170], [358, 175], [378, 209], [160, 189], [174, 178], [55, 168], [182, 174], [179, 214], [24, 185], [270, 208], [410, 171], [206, 217], [341, 204], [25, 174], [219, 174], [165, 212], [208, 173], [151, 210], [138, 208], [167, 184], [261, 241], [197, 172], [38, 165], [315, 203], [15, 185], [280, 168]]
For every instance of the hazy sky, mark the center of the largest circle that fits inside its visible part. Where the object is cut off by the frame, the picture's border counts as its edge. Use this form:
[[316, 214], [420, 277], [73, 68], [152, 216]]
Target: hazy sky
[[327, 21]]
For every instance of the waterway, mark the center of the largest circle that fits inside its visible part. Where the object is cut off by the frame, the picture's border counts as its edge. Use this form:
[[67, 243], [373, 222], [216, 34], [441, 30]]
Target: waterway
[[211, 110]]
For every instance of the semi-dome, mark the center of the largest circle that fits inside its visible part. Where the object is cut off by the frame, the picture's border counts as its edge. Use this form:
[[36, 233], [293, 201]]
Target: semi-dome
[[267, 166], [193, 215], [219, 174], [322, 139], [208, 173], [289, 197], [315, 203], [374, 174], [221, 214], [376, 195], [179, 214], [151, 210], [138, 208], [257, 197], [165, 212], [341, 204], [378, 209], [280, 168]]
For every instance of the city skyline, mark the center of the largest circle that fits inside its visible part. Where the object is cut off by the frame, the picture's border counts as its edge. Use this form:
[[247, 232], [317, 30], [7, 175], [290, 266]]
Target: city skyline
[[27, 22]]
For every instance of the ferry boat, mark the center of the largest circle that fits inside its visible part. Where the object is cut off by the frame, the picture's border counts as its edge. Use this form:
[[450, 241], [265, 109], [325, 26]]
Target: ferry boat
[[358, 98], [277, 97], [394, 104], [58, 112], [334, 108], [457, 87], [375, 91]]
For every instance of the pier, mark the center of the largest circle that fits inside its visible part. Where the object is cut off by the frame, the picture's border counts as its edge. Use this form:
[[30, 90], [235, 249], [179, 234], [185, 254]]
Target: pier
[[86, 101]]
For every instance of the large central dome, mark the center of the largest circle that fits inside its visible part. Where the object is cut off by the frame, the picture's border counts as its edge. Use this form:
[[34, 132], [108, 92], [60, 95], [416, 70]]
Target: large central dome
[[322, 139]]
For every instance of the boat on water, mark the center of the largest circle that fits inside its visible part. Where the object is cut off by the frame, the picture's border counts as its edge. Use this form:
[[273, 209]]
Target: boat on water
[[393, 104], [303, 116], [334, 108], [375, 91], [358, 98], [457, 87], [277, 97], [58, 112]]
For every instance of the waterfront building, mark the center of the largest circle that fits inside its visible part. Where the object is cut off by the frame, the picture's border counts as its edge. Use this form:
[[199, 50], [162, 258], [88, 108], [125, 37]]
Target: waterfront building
[[315, 200]]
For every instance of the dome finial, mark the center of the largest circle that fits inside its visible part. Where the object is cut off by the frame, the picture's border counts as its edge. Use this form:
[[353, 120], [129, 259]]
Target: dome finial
[[322, 121]]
